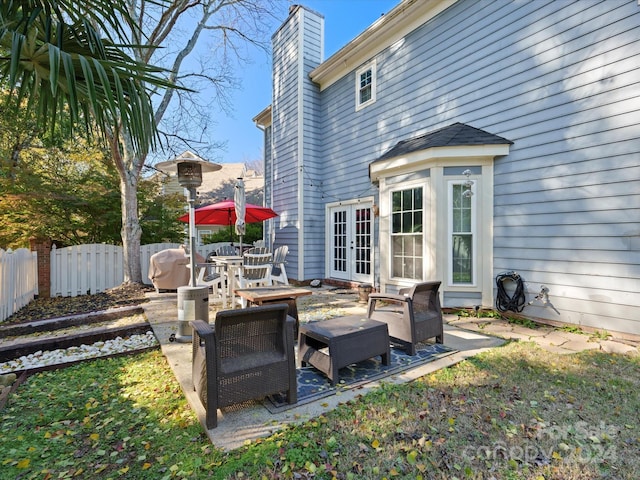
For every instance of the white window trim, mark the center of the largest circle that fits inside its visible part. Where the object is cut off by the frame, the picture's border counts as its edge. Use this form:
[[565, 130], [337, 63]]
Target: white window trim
[[474, 232], [369, 66], [202, 234], [435, 159]]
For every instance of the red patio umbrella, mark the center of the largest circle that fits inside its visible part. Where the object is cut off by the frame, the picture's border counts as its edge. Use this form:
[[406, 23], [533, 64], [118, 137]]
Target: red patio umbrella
[[224, 213]]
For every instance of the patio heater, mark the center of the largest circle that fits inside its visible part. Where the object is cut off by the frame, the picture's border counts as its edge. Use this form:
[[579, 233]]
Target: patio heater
[[193, 301]]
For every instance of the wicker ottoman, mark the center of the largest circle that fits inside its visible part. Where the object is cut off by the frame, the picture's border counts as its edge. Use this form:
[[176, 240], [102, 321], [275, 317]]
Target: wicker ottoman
[[330, 345]]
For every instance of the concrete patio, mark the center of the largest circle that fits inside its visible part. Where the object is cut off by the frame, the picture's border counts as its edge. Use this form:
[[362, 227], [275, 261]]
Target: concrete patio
[[468, 336]]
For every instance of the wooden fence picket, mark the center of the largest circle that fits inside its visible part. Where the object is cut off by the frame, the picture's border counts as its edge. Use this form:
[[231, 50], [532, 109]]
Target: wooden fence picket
[[75, 270], [18, 280]]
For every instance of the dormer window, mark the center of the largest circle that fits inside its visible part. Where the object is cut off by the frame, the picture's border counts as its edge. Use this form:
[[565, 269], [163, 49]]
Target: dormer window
[[366, 85]]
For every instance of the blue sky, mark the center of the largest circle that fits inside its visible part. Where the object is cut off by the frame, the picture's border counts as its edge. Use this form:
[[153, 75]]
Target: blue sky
[[344, 20]]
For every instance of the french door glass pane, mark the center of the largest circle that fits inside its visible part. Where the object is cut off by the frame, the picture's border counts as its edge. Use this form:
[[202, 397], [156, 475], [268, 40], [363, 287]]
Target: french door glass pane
[[340, 241], [363, 241]]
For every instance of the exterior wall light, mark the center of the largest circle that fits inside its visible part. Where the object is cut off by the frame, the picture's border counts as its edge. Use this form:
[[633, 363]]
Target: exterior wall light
[[469, 183]]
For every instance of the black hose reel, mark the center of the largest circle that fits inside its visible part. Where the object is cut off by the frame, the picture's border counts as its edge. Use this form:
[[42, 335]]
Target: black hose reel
[[514, 302]]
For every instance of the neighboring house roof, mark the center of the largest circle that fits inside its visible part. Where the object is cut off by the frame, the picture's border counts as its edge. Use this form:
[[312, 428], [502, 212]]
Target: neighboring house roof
[[230, 171], [452, 136], [213, 181]]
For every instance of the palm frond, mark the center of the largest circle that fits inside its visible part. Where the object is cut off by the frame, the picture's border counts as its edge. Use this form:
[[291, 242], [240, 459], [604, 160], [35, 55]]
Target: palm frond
[[52, 56]]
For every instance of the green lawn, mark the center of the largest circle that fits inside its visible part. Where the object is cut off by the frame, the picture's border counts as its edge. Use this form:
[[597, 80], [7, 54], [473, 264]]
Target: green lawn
[[513, 412]]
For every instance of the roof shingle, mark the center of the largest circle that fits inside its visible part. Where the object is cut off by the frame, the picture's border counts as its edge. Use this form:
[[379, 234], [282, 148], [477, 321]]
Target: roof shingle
[[451, 136]]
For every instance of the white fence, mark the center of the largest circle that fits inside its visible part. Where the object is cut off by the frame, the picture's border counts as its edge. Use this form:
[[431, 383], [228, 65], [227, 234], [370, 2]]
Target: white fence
[[84, 269], [75, 270], [89, 269], [18, 280]]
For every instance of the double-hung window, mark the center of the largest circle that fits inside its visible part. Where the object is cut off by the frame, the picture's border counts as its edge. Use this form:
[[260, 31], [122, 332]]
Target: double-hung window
[[366, 85], [407, 214], [462, 234]]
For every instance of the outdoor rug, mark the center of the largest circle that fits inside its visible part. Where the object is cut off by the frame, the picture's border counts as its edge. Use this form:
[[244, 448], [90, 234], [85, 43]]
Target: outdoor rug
[[314, 385]]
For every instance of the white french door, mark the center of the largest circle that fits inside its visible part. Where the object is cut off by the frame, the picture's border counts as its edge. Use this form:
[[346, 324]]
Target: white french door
[[351, 242]]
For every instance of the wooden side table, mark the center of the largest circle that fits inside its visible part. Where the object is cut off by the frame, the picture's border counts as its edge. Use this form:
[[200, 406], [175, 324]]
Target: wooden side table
[[275, 294], [330, 345]]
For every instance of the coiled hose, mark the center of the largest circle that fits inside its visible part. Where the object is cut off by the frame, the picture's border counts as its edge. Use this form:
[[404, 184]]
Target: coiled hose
[[504, 301]]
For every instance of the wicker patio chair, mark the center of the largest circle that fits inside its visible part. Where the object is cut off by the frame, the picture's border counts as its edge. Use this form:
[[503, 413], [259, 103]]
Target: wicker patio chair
[[413, 315], [247, 355]]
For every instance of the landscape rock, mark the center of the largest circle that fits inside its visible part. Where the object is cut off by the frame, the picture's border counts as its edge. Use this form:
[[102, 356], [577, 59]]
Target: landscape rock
[[81, 352]]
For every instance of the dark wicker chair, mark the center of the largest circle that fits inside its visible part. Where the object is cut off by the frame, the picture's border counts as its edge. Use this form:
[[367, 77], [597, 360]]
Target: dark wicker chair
[[248, 354], [413, 315]]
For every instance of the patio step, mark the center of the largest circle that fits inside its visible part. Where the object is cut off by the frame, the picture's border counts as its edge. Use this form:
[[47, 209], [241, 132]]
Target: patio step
[[70, 331], [52, 324]]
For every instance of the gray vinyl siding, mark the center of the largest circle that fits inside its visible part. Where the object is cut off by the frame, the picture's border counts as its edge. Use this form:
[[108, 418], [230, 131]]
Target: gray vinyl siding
[[312, 161], [303, 28], [284, 138], [562, 81], [350, 141], [567, 202]]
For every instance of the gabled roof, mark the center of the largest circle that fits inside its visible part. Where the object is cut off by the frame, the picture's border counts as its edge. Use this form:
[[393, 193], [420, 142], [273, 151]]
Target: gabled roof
[[454, 135], [403, 19]]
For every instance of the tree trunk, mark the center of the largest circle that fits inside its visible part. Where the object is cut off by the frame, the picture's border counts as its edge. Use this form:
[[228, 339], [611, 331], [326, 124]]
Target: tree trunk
[[129, 166], [131, 231]]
